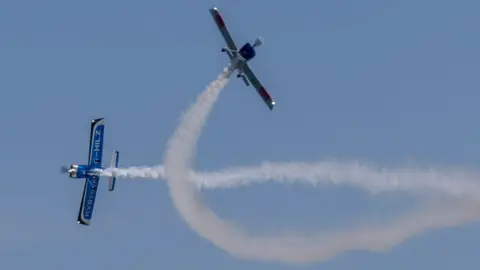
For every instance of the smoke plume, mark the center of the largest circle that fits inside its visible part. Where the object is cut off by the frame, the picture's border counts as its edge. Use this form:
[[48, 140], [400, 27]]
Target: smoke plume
[[295, 247], [459, 183]]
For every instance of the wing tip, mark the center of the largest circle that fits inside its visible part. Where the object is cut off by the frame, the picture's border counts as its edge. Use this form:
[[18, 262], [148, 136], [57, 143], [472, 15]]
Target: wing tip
[[97, 119], [80, 218], [81, 222], [218, 18], [272, 105], [214, 11], [267, 98]]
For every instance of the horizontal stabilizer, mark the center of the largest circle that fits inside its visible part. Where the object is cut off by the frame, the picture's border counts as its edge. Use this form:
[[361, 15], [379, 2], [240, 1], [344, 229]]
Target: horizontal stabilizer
[[113, 164]]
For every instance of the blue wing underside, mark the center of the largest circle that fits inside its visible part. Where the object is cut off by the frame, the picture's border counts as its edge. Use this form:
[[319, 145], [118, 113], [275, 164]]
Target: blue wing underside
[[91, 182]]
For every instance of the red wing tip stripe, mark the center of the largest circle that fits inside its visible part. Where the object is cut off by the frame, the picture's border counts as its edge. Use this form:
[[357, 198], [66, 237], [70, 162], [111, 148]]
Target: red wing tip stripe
[[264, 93], [220, 21]]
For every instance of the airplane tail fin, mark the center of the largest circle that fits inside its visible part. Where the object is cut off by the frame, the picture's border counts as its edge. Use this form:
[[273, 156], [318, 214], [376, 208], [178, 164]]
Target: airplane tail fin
[[113, 163]]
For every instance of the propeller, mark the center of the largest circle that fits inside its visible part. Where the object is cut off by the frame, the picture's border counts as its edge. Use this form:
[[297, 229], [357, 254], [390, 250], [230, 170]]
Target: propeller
[[64, 169], [258, 42]]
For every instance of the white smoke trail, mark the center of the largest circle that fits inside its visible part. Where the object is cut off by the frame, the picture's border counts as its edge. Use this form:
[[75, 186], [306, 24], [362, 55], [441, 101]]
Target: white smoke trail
[[451, 182], [156, 172], [178, 159]]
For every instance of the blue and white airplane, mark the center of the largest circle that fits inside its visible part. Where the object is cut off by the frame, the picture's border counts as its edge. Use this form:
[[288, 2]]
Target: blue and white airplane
[[91, 171]]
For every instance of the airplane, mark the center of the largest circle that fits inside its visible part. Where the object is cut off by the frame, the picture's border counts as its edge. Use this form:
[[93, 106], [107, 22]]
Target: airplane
[[91, 171], [239, 58]]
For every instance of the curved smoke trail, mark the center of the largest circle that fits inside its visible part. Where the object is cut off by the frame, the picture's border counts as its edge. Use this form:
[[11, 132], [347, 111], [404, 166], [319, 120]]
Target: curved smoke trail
[[285, 248]]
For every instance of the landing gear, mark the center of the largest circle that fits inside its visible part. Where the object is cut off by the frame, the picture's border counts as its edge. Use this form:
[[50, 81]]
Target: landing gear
[[239, 75], [223, 50]]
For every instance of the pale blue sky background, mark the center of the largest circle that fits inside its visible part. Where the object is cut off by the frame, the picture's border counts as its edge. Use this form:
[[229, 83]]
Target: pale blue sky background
[[388, 81]]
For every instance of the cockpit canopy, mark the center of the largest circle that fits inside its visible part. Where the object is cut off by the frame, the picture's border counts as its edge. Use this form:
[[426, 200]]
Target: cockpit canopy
[[247, 51]]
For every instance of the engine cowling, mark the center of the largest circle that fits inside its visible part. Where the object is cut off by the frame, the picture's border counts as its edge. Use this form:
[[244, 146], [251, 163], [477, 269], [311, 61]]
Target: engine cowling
[[73, 171], [78, 171]]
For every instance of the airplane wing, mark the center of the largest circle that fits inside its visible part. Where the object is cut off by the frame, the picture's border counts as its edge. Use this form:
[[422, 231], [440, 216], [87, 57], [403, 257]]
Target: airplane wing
[[88, 200], [223, 28], [95, 161], [260, 89]]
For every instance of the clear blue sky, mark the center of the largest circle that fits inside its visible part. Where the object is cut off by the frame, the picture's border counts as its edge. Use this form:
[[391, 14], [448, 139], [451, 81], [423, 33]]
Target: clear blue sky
[[387, 81]]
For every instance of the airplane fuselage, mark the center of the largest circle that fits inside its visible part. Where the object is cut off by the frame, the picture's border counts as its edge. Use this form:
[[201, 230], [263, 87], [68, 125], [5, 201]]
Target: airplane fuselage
[[247, 52], [238, 59], [82, 171]]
